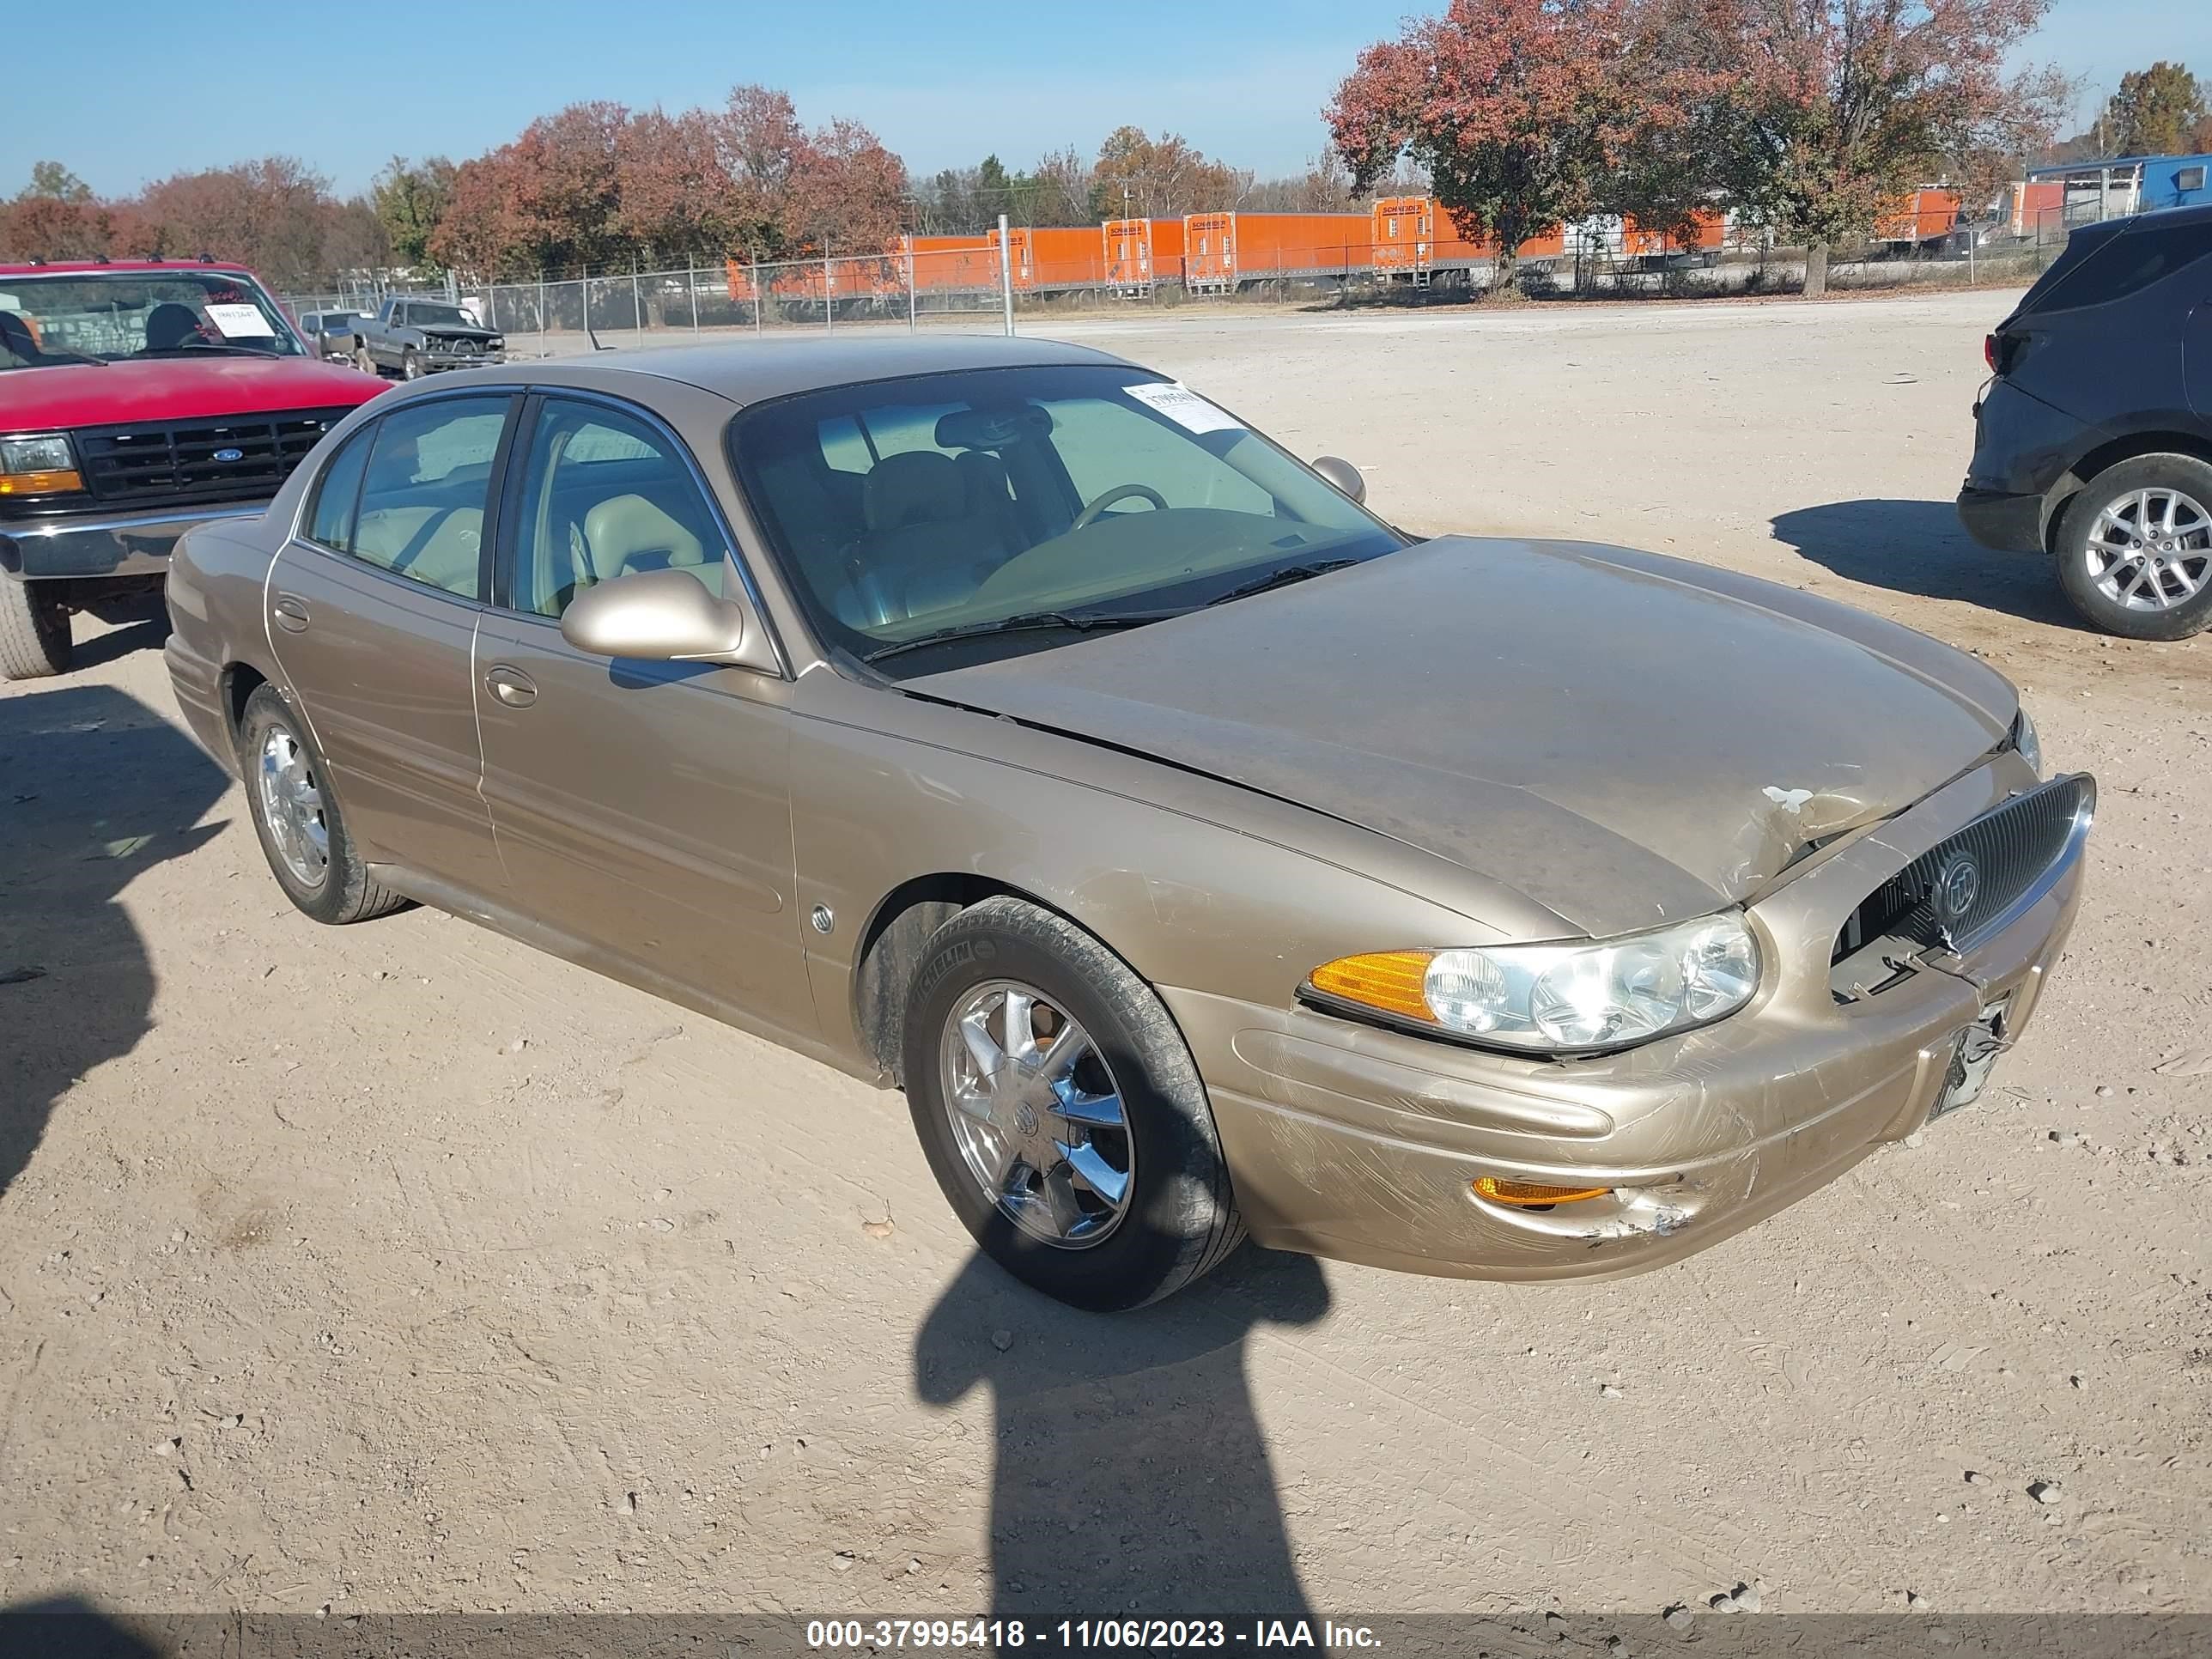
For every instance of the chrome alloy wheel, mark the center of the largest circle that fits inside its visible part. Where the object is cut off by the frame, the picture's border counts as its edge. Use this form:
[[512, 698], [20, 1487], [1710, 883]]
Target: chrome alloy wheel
[[2152, 549], [1036, 1115], [292, 807]]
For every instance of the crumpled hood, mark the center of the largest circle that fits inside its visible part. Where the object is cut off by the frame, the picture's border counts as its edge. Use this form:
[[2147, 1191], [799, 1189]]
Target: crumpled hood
[[1625, 738]]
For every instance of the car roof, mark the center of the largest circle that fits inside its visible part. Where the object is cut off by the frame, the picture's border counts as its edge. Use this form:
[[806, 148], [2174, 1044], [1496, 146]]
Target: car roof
[[754, 371], [126, 267]]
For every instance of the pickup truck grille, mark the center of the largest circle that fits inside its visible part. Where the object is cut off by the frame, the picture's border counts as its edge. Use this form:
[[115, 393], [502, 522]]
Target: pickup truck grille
[[175, 460]]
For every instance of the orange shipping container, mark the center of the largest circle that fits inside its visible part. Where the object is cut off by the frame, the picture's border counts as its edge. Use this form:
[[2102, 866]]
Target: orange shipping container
[[1053, 257], [1922, 217], [953, 263], [2036, 205], [1142, 251], [1221, 250], [1708, 227], [1448, 248], [1404, 235]]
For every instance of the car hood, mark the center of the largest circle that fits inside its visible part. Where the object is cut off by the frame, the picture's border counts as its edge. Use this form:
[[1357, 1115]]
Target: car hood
[[456, 331], [175, 389], [1625, 738]]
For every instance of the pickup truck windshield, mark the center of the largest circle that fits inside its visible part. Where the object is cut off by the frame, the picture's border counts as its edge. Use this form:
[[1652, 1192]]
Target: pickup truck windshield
[[74, 316], [950, 507], [419, 315]]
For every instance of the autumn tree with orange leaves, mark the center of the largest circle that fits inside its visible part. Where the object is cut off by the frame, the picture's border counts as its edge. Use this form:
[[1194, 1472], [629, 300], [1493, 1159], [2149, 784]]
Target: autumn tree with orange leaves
[[1834, 109], [598, 185], [1517, 110]]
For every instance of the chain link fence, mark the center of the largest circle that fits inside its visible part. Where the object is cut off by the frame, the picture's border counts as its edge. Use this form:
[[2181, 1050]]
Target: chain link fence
[[978, 283]]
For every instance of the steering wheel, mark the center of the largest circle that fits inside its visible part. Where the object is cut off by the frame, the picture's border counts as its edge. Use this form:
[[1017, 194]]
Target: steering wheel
[[1119, 492]]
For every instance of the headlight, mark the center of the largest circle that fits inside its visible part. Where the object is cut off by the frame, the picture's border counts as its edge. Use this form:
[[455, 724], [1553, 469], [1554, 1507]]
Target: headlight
[[37, 467], [2025, 739], [1558, 999]]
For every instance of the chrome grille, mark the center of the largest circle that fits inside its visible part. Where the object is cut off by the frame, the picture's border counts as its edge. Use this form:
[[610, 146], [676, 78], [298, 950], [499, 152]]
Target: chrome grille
[[175, 460], [1965, 886]]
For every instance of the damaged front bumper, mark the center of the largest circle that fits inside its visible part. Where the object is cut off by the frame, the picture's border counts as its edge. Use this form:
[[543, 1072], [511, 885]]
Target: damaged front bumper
[[1351, 1141]]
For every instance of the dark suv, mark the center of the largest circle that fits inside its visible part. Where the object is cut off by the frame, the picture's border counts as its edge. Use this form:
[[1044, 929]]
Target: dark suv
[[2093, 441]]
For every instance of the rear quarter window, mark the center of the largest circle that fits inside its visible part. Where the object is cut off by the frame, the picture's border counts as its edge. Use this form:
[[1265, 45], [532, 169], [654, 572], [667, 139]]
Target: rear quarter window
[[2119, 266]]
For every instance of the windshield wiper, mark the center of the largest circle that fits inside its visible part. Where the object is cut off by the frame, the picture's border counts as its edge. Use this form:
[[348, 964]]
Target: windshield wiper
[[229, 346], [1283, 578], [1024, 623]]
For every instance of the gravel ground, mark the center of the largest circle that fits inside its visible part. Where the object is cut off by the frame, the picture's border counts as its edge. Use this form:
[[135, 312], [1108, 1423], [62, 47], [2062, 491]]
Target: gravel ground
[[399, 1268]]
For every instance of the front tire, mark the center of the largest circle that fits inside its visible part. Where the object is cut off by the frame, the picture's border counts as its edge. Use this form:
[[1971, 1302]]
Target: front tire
[[410, 364], [1061, 1113], [302, 832], [2134, 548], [34, 632]]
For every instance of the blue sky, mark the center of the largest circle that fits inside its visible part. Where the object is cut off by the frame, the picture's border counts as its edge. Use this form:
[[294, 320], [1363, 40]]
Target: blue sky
[[942, 85]]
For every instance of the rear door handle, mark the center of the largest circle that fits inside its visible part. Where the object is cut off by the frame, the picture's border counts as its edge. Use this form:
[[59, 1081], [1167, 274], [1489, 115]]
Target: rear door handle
[[511, 686], [291, 613]]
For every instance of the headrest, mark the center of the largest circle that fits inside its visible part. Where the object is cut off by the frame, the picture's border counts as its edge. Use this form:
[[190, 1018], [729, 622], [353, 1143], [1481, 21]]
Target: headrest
[[992, 428], [918, 487], [626, 530]]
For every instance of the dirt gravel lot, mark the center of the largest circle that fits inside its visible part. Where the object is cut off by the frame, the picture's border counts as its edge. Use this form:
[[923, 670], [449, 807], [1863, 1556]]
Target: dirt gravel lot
[[399, 1268]]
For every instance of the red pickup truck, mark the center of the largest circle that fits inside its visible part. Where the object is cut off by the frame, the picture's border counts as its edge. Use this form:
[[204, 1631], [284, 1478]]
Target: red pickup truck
[[136, 400]]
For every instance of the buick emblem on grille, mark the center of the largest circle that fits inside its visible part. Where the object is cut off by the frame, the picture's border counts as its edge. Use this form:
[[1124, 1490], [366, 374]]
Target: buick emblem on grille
[[230, 454], [1957, 886]]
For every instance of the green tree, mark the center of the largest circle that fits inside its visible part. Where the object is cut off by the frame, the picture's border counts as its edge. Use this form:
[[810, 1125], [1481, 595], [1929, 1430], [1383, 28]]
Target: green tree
[[410, 200], [2156, 111], [53, 182]]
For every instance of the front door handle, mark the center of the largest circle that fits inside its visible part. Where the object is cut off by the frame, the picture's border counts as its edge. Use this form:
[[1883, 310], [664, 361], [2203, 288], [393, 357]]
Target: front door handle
[[291, 613], [511, 686]]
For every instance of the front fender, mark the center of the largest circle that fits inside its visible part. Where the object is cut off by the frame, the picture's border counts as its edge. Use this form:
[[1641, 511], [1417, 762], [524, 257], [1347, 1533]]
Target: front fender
[[1194, 883]]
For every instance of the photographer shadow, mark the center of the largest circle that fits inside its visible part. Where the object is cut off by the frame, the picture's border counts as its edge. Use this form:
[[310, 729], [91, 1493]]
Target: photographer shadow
[[1129, 1472]]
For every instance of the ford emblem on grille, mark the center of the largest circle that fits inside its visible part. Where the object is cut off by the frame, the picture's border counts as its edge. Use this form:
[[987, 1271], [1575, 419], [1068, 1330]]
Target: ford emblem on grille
[[230, 454], [1957, 886]]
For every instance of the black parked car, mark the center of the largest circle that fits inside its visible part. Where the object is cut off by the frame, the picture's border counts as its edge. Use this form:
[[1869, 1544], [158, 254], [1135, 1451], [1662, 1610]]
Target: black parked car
[[2093, 441]]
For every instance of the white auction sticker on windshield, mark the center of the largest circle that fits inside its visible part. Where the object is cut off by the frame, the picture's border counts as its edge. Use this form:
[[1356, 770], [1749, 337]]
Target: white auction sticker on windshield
[[240, 322], [1185, 407]]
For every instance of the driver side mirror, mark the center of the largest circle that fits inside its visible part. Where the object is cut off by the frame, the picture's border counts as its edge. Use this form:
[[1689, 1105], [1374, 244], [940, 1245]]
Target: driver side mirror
[[667, 616], [1343, 475]]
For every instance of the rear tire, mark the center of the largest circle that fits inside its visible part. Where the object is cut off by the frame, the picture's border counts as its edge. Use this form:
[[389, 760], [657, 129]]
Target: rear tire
[[1175, 1219], [2101, 556], [277, 760], [34, 632]]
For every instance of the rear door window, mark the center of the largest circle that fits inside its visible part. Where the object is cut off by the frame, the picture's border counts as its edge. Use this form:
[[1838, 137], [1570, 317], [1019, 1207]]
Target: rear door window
[[424, 495]]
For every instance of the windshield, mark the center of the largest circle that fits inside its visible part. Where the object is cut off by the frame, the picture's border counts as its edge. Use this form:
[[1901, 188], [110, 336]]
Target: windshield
[[905, 508], [420, 315], [70, 317]]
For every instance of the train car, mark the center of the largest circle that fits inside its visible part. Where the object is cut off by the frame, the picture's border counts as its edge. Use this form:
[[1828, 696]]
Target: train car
[[1142, 253], [1222, 251], [1927, 214]]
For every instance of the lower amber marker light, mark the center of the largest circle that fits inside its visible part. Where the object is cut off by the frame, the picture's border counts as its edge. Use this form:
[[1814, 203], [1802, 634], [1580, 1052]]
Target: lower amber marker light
[[40, 483], [1526, 1194]]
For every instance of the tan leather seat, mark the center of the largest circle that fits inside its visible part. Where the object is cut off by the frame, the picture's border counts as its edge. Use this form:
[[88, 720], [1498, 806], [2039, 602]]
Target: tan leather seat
[[438, 545], [932, 534], [625, 534]]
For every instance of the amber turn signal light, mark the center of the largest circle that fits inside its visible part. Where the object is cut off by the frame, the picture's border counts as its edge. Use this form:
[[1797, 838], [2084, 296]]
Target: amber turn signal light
[[39, 484], [1527, 1194], [1390, 980]]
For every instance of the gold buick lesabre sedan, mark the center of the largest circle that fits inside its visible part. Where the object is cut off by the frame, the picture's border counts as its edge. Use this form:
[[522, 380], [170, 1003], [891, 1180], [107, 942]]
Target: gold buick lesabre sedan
[[1003, 722]]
